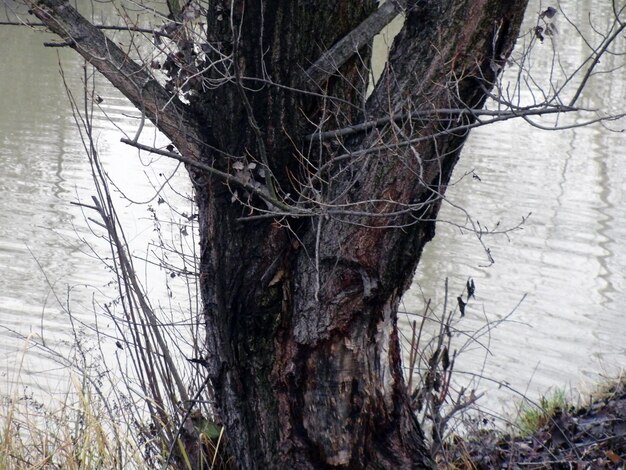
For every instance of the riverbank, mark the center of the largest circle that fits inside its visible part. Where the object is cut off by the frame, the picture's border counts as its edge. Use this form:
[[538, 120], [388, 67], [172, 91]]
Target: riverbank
[[588, 436]]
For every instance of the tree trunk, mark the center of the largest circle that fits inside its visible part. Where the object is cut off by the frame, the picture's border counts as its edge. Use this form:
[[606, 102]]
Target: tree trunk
[[301, 312], [302, 270]]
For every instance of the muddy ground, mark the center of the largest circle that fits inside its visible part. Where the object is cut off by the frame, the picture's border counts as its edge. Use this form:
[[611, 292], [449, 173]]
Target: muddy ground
[[588, 437]]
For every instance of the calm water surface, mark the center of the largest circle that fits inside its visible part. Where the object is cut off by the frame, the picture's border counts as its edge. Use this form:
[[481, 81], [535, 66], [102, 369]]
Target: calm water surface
[[49, 264], [567, 260]]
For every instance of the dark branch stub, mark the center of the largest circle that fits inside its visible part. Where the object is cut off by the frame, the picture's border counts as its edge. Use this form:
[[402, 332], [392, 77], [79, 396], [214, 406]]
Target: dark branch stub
[[362, 35]]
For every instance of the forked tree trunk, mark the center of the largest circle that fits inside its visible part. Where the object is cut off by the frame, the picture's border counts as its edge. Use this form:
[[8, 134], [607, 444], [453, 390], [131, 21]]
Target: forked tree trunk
[[301, 311]]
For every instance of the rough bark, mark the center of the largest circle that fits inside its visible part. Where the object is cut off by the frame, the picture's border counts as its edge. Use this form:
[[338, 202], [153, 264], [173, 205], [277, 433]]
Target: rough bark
[[302, 342], [302, 321]]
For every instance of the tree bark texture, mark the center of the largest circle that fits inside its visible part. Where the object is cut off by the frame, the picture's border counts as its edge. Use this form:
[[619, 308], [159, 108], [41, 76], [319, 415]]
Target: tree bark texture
[[301, 310]]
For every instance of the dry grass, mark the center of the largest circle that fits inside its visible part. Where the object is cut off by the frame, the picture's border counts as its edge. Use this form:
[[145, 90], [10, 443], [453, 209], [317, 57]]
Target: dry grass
[[74, 433]]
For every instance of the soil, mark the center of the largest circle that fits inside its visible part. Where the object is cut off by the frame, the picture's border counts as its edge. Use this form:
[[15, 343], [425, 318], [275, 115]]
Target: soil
[[584, 438]]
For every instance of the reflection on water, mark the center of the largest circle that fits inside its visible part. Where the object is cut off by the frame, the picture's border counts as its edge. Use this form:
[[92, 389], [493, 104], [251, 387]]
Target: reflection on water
[[48, 251], [568, 258]]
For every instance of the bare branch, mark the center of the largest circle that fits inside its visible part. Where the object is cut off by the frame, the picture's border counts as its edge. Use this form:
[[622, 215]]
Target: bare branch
[[501, 115], [104, 27], [599, 53], [259, 191], [337, 55], [134, 81]]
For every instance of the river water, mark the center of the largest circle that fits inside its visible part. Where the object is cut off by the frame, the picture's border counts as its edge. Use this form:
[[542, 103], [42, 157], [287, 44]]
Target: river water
[[566, 261]]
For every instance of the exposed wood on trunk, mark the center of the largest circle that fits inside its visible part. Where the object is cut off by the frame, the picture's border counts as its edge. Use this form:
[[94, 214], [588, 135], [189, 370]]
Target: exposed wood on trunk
[[443, 58]]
